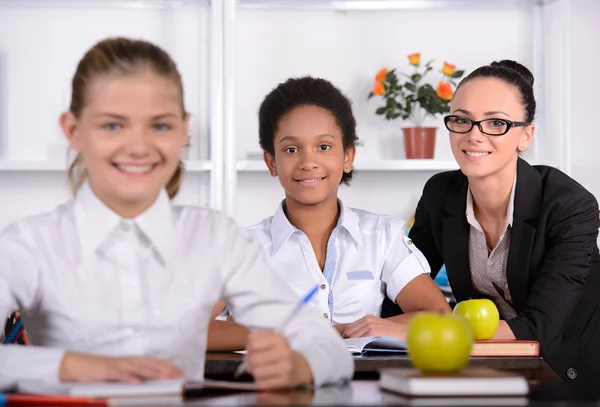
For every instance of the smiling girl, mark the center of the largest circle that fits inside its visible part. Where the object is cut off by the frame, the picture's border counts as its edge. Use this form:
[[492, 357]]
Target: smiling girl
[[307, 131], [119, 283]]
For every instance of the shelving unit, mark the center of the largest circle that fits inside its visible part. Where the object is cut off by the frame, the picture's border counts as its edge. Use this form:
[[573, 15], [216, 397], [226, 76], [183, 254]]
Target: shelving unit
[[373, 5], [542, 39], [538, 46], [373, 166]]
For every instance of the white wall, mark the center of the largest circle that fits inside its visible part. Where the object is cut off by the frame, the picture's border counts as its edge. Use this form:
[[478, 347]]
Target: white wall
[[40, 48], [585, 63]]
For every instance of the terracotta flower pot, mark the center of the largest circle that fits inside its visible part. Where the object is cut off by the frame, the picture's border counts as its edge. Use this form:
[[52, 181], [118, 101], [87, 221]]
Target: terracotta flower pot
[[419, 142]]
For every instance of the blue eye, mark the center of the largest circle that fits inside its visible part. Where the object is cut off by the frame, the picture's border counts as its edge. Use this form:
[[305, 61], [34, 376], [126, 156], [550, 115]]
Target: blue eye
[[111, 126], [162, 127]]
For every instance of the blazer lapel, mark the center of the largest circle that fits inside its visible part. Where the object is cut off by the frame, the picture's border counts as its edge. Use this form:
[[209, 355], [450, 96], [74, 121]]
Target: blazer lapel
[[455, 241], [528, 196]]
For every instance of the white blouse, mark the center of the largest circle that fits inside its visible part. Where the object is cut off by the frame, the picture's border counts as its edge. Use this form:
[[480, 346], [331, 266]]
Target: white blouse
[[368, 257], [86, 280]]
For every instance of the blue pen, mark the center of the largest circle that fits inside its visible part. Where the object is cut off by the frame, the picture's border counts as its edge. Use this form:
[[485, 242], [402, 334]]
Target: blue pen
[[291, 315]]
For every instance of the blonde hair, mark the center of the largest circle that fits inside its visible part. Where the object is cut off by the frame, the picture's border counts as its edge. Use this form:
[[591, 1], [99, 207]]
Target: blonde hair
[[120, 57]]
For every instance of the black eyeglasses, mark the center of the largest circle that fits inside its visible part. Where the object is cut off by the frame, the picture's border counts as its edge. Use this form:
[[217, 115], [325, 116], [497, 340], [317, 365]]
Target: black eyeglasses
[[491, 127]]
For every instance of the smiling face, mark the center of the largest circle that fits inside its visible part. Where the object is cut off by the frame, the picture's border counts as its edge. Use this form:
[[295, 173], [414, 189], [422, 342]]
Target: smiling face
[[130, 134], [309, 155], [480, 155]]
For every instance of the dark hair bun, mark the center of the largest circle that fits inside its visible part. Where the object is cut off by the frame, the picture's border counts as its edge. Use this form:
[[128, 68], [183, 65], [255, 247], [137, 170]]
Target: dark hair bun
[[517, 67]]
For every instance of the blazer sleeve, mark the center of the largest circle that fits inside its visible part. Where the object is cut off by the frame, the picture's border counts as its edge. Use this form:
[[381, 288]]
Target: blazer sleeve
[[571, 241], [421, 234]]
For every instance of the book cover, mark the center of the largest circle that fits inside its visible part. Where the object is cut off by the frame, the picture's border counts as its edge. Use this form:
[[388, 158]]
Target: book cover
[[471, 381]]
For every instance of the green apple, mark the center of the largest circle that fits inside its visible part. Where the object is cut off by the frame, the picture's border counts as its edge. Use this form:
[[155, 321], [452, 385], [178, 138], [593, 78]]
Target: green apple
[[483, 316], [439, 342]]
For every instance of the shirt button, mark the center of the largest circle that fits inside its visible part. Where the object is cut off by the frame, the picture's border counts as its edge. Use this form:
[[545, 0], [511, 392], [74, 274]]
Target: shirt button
[[409, 241], [572, 373], [326, 315], [323, 286]]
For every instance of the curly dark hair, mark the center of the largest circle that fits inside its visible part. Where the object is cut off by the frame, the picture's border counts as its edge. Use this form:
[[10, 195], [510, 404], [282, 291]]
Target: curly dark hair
[[306, 91]]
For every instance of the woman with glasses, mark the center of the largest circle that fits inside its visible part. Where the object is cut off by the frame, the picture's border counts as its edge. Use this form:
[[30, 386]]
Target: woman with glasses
[[523, 236]]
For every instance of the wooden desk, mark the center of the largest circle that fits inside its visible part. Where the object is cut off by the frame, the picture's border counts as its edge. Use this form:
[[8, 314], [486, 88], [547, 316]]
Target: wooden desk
[[223, 365], [368, 393]]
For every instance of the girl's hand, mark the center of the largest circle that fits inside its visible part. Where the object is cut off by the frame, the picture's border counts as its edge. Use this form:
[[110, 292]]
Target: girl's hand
[[79, 367], [273, 364], [371, 325]]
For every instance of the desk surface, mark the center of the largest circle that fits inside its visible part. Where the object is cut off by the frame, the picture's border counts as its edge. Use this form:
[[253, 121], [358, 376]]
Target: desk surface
[[368, 393], [224, 364]]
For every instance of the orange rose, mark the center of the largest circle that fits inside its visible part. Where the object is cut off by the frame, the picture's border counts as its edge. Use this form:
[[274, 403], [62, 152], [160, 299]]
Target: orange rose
[[448, 69], [414, 59], [379, 88], [444, 90], [381, 75]]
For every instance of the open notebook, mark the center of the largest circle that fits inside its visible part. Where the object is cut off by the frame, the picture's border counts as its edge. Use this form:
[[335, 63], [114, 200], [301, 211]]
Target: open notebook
[[490, 348], [175, 387], [375, 344]]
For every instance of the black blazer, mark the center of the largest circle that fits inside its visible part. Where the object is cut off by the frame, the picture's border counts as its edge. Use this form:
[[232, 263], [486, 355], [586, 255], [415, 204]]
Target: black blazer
[[553, 265]]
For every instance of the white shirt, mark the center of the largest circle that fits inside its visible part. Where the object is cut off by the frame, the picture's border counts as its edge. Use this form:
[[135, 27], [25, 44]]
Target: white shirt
[[88, 281], [368, 256]]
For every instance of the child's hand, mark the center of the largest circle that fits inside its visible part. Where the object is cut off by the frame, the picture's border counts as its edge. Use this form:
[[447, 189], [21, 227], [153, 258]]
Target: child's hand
[[78, 367], [273, 364], [371, 325]]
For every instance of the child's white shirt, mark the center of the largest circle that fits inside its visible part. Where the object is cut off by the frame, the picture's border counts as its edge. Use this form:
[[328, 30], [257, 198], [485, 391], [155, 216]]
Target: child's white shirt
[[368, 257], [86, 280]]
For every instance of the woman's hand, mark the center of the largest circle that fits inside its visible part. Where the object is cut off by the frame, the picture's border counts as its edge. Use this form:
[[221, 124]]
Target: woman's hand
[[371, 325], [273, 364], [78, 367]]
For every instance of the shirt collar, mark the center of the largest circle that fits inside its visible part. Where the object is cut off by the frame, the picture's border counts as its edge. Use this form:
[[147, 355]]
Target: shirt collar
[[470, 212], [349, 221], [95, 221], [281, 229]]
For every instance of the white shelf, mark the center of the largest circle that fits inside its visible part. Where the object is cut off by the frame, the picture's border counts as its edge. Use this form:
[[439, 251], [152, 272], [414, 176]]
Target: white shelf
[[134, 4], [382, 165], [372, 5], [197, 166], [58, 166]]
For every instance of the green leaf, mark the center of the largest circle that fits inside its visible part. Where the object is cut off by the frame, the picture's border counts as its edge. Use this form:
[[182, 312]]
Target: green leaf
[[371, 94], [381, 110], [416, 77], [410, 86], [457, 74]]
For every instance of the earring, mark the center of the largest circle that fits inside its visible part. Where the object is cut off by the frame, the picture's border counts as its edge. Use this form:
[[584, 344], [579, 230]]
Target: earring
[[347, 169], [274, 172], [522, 148]]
